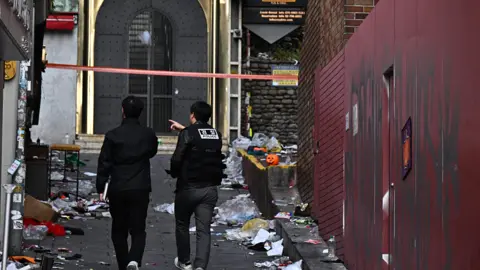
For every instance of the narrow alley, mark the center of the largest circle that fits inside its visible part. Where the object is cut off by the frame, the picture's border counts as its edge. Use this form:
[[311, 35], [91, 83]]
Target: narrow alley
[[96, 249]]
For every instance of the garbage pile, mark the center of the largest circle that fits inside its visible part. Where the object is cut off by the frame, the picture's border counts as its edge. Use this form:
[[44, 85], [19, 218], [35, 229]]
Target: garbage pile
[[252, 231], [47, 218], [21, 263], [260, 145]]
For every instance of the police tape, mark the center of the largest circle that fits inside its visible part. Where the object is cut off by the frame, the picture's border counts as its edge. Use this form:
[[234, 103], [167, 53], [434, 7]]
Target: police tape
[[170, 73]]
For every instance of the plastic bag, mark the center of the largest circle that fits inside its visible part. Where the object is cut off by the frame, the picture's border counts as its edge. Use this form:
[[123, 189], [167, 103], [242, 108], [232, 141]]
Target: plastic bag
[[259, 140], [165, 208], [273, 145], [63, 205], [238, 235], [234, 170], [237, 210], [241, 143], [295, 266], [35, 232], [255, 225]]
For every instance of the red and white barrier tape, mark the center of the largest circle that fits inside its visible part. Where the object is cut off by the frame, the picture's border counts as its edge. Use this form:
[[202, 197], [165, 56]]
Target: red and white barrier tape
[[172, 73]]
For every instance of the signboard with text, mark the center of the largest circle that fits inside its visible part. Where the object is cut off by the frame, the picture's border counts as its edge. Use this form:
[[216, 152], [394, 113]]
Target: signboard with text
[[273, 16], [285, 70], [275, 3]]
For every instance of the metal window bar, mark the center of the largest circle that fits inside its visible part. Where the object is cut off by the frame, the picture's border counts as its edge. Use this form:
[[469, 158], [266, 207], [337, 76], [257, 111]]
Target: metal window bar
[[156, 91]]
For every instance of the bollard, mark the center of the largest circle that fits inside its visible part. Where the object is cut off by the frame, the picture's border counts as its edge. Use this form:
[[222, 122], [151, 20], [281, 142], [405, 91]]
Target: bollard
[[8, 190]]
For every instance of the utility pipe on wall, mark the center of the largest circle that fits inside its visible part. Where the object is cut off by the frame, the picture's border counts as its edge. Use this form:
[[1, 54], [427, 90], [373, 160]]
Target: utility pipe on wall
[[214, 63]]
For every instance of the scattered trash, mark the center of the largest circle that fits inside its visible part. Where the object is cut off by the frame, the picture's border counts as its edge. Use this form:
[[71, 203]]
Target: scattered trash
[[234, 170], [283, 215], [259, 140], [331, 247], [165, 208], [35, 232], [273, 145], [91, 174], [241, 143], [312, 241], [294, 266], [277, 248], [261, 237], [275, 264], [237, 210]]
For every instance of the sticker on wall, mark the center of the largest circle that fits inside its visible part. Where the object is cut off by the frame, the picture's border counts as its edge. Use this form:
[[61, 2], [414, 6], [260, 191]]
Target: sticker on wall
[[17, 198], [407, 148], [10, 70], [14, 167], [355, 119], [17, 224], [16, 215], [347, 121]]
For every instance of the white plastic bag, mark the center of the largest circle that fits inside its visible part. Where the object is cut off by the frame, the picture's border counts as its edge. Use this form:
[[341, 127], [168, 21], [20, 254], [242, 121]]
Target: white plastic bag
[[241, 143], [295, 266], [273, 145], [259, 140]]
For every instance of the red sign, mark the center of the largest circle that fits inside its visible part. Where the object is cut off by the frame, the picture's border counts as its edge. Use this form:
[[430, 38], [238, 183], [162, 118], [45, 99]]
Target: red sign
[[61, 22]]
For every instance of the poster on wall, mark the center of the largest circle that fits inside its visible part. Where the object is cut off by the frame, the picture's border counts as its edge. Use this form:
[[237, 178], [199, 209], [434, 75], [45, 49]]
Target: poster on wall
[[291, 70], [407, 148]]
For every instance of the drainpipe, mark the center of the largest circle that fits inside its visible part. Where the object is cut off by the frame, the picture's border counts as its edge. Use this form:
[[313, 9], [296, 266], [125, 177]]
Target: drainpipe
[[18, 194], [214, 64]]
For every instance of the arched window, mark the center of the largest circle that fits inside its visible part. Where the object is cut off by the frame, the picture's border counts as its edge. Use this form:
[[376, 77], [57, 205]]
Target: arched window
[[150, 47]]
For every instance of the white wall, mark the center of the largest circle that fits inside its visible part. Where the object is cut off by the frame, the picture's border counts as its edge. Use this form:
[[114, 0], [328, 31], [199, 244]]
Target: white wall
[[57, 109], [8, 112]]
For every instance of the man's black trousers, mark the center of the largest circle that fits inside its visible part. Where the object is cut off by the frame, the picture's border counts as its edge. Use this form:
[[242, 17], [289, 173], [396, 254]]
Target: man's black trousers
[[129, 213], [200, 202]]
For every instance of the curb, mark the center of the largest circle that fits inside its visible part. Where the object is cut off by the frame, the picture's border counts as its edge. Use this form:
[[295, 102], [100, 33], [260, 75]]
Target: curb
[[269, 187]]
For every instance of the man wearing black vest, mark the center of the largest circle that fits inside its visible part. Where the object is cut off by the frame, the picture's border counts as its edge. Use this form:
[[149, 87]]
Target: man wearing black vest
[[197, 165]]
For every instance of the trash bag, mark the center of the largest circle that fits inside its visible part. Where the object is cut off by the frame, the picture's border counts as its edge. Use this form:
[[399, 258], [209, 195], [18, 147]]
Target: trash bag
[[165, 208], [238, 234], [259, 140], [255, 225], [294, 266], [273, 145], [241, 143], [237, 210], [234, 170], [35, 232]]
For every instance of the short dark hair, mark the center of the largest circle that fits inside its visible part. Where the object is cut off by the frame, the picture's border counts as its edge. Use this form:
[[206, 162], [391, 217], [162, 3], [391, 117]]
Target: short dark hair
[[132, 107], [201, 110]]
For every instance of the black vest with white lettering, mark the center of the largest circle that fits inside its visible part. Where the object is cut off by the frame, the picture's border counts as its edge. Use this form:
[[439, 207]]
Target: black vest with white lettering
[[203, 163]]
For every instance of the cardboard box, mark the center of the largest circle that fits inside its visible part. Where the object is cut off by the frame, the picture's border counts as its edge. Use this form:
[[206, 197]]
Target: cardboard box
[[38, 210]]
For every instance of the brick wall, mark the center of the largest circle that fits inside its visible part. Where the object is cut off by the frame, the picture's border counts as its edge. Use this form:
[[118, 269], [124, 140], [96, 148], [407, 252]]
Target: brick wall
[[329, 133], [329, 24]]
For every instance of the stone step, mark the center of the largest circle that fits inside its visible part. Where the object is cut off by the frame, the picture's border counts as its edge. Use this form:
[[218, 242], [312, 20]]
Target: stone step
[[91, 144]]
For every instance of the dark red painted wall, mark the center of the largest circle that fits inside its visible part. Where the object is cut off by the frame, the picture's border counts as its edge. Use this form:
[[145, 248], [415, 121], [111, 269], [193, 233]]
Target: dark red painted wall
[[328, 137], [432, 217]]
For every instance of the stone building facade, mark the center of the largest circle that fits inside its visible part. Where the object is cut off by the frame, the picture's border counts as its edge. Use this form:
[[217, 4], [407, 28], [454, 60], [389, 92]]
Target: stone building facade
[[274, 108]]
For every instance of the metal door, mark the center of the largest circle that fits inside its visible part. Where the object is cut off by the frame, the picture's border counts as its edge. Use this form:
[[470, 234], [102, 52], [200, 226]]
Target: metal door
[[150, 47]]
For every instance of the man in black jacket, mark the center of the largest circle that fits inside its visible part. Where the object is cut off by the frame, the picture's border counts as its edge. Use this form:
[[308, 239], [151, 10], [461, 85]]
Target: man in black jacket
[[125, 159], [197, 163]]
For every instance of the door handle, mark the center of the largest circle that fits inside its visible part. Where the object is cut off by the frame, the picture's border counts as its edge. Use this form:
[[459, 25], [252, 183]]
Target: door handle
[[317, 151]]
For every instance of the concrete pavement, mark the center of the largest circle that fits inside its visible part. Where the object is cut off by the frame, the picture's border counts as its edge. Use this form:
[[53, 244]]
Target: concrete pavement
[[97, 250]]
